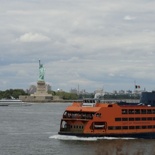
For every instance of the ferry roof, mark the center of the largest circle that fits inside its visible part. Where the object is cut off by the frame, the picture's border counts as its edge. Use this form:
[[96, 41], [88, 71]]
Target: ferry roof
[[80, 107], [96, 107]]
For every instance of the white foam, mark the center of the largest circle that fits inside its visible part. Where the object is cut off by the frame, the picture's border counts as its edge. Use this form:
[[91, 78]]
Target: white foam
[[113, 138], [64, 137]]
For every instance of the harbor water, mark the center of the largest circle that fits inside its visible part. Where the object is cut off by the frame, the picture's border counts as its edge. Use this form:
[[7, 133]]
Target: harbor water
[[32, 130]]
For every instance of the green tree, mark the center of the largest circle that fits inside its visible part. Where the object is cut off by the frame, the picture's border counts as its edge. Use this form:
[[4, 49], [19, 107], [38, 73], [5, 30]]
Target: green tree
[[12, 93]]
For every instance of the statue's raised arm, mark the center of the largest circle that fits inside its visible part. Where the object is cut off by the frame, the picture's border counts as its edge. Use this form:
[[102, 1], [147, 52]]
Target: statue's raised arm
[[41, 71]]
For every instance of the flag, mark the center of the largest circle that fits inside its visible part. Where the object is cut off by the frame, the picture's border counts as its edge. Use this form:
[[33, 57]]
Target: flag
[[137, 86]]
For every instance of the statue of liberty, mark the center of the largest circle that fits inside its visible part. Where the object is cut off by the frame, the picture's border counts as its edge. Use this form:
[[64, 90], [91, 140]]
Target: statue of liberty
[[41, 72]]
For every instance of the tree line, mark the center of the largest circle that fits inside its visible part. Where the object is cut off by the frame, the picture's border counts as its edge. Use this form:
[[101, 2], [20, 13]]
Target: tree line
[[12, 93], [15, 93], [73, 96]]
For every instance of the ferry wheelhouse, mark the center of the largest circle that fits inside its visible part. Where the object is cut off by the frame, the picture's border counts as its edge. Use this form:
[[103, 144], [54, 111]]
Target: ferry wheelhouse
[[90, 117]]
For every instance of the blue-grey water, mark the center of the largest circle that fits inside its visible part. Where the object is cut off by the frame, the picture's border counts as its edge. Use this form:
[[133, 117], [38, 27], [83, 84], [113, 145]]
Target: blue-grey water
[[32, 130]]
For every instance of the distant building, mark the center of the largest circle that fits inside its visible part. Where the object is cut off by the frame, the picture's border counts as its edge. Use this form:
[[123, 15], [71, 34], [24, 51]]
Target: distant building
[[74, 91], [32, 89], [48, 87], [138, 91], [128, 92], [59, 90], [115, 92], [83, 91], [121, 92], [99, 93]]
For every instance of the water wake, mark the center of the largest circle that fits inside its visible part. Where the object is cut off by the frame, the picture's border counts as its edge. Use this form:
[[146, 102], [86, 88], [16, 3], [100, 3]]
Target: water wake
[[64, 137]]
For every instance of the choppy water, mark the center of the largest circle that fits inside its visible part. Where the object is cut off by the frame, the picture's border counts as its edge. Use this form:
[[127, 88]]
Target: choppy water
[[32, 130]]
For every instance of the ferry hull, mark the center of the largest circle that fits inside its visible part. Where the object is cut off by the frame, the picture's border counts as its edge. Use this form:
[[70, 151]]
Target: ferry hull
[[132, 135]]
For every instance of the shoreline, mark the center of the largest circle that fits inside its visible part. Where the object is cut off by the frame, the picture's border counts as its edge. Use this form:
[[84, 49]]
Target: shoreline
[[102, 101]]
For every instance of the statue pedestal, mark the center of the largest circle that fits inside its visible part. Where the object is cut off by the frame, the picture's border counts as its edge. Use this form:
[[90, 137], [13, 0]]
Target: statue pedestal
[[41, 93], [41, 88]]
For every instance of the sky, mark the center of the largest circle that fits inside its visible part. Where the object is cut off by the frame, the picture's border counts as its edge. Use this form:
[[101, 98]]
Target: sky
[[93, 44]]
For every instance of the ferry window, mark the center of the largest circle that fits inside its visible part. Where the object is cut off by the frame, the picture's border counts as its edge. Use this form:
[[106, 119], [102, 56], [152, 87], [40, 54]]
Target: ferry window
[[98, 115], [124, 119], [137, 127], [68, 115], [137, 111], [131, 119], [153, 111], [149, 118], [110, 128], [131, 111], [143, 127], [124, 111], [118, 127], [143, 118], [149, 111], [137, 119], [65, 113], [86, 115], [117, 119], [150, 127], [124, 127], [153, 126], [99, 125], [153, 118], [143, 111], [131, 127]]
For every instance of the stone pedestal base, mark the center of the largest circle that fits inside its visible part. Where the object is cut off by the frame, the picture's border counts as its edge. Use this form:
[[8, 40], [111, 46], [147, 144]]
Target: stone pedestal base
[[40, 95], [41, 89]]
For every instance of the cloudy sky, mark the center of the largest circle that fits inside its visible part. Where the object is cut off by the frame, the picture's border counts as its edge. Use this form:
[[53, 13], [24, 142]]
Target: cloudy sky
[[91, 43]]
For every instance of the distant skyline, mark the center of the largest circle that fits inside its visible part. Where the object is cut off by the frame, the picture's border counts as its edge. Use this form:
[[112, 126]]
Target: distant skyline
[[94, 44]]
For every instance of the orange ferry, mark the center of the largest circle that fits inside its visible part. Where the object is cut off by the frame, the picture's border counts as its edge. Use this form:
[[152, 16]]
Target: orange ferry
[[93, 118]]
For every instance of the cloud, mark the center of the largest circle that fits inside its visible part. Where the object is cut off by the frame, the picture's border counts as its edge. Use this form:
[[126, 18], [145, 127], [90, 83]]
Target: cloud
[[90, 43], [129, 17], [33, 37]]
